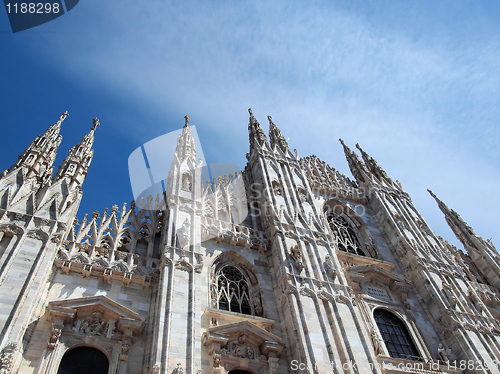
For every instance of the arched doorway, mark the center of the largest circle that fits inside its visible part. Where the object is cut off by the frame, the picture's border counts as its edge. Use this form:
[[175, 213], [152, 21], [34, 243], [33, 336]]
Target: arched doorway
[[84, 360]]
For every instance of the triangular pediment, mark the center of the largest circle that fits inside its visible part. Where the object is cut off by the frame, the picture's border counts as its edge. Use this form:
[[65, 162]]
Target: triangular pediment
[[233, 337], [80, 308], [245, 327], [376, 272]]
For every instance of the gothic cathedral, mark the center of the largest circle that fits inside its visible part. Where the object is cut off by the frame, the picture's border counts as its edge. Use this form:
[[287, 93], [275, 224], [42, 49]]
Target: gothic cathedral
[[286, 267]]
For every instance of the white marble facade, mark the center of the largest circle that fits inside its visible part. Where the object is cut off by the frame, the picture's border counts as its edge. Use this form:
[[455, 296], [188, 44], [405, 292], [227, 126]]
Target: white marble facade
[[286, 267]]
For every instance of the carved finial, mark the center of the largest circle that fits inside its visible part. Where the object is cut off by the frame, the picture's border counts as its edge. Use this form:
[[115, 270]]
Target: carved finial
[[186, 117], [432, 194], [96, 123], [341, 141], [270, 119], [250, 111]]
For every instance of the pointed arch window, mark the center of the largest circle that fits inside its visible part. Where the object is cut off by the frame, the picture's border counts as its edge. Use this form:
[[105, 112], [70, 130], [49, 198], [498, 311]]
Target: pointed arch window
[[346, 237], [396, 337], [232, 290]]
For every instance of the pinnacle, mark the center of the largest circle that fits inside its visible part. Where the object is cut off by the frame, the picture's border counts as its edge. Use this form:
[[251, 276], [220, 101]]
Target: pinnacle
[[346, 148], [270, 119], [432, 194]]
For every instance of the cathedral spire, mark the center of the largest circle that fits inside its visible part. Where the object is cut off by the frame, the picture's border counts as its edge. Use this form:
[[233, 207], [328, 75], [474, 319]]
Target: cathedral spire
[[462, 230], [77, 162], [41, 153], [373, 166], [358, 169], [186, 148], [275, 136], [256, 135], [483, 253]]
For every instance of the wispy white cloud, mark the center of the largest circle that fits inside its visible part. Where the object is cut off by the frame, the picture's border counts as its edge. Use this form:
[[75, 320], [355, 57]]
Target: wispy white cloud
[[419, 95]]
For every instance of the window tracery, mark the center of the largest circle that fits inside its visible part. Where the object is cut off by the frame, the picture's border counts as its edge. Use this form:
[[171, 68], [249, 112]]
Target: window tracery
[[231, 290], [346, 237]]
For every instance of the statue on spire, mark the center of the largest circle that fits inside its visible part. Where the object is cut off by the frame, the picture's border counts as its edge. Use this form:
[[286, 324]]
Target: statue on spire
[[63, 116], [96, 123], [186, 117]]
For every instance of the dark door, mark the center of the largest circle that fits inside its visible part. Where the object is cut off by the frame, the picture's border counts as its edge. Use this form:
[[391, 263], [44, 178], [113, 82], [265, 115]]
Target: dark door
[[84, 360]]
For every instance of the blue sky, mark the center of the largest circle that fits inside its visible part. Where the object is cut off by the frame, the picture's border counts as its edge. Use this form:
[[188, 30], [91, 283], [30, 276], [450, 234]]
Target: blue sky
[[417, 84]]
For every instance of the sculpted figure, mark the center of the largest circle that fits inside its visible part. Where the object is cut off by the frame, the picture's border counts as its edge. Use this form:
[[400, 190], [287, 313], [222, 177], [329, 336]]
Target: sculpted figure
[[237, 351], [377, 347], [443, 354]]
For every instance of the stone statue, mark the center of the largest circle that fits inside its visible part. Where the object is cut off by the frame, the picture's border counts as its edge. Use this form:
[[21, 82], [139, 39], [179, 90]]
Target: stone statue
[[96, 123], [186, 182], [296, 255], [257, 306], [224, 350], [178, 369], [377, 347], [443, 354], [330, 267], [63, 116], [371, 247], [185, 233]]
